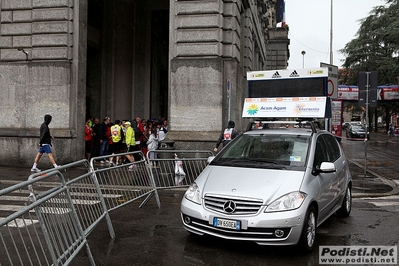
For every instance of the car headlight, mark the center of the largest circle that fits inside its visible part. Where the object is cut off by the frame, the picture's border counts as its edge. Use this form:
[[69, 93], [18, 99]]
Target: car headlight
[[287, 202], [193, 194]]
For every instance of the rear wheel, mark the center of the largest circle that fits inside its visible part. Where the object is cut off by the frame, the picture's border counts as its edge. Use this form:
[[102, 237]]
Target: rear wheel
[[346, 206], [308, 235]]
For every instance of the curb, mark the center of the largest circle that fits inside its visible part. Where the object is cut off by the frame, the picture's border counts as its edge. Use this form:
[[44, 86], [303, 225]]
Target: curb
[[387, 181]]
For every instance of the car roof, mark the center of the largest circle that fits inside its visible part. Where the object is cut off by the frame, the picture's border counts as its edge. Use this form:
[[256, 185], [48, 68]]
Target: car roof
[[278, 131]]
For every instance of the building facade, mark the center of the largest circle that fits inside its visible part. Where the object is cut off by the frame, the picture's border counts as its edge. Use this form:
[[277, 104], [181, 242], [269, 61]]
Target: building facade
[[128, 58]]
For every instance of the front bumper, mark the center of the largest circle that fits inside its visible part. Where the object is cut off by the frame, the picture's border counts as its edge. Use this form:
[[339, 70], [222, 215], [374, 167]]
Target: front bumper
[[278, 228]]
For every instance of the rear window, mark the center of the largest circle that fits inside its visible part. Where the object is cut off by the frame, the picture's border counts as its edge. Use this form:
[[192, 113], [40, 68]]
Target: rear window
[[358, 128]]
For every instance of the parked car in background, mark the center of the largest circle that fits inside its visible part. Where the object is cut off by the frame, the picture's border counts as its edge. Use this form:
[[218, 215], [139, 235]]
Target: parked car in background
[[357, 131], [272, 187], [345, 125]]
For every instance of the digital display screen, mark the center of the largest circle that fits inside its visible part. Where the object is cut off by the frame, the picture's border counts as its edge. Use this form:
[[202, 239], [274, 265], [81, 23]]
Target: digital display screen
[[298, 87]]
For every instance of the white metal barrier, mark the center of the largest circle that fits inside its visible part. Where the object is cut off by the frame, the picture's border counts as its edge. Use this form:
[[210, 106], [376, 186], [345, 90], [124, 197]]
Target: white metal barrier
[[176, 168], [84, 191], [124, 183], [63, 209], [46, 230]]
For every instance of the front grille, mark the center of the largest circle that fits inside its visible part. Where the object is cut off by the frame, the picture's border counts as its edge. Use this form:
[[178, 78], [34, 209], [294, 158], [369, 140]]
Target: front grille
[[260, 234], [242, 206]]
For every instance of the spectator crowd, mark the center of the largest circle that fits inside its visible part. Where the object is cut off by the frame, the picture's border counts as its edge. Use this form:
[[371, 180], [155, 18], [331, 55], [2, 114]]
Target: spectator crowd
[[119, 136]]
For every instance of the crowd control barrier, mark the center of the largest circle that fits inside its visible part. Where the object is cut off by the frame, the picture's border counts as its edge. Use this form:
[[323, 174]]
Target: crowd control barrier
[[123, 183], [46, 230], [64, 205], [176, 168], [84, 191]]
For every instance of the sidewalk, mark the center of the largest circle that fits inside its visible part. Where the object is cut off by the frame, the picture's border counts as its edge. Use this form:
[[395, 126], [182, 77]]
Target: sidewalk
[[13, 175], [373, 184]]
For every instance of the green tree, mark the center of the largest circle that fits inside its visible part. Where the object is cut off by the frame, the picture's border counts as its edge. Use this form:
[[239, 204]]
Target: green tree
[[376, 48]]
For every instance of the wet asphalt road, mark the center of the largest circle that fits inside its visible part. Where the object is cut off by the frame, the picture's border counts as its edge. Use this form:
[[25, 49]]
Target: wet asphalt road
[[378, 158], [152, 236]]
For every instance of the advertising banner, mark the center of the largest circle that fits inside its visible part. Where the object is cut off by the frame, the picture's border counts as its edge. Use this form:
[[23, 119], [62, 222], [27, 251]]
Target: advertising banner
[[336, 121], [350, 93], [290, 107], [388, 93], [288, 73]]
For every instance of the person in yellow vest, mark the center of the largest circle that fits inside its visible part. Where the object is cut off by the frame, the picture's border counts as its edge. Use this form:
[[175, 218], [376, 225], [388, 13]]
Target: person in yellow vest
[[123, 145], [116, 135], [130, 143]]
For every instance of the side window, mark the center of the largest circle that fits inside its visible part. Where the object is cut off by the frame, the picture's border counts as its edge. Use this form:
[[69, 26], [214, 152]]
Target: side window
[[321, 153], [333, 148]]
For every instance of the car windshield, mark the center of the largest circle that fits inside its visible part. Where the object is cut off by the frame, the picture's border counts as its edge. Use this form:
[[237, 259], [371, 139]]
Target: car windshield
[[358, 128], [266, 150]]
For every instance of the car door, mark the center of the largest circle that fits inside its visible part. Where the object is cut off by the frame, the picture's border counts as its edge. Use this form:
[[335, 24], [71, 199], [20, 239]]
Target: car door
[[338, 185], [326, 181]]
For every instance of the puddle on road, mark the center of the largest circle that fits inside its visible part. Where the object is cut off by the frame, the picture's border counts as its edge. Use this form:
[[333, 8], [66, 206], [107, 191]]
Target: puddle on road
[[347, 240], [362, 184]]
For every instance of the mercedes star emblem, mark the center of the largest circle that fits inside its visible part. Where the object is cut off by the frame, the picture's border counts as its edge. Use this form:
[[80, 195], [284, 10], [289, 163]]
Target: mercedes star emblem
[[229, 206]]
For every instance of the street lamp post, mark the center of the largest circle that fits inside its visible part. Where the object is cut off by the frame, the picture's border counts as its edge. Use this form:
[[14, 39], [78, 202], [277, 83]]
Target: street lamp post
[[331, 33], [303, 59]]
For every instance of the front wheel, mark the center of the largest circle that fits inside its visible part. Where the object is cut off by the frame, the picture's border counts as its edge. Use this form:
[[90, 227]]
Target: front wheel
[[308, 235], [346, 206]]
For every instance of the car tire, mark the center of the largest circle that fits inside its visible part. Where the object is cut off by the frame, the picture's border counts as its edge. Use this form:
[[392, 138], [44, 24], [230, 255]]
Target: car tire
[[346, 206], [308, 235]]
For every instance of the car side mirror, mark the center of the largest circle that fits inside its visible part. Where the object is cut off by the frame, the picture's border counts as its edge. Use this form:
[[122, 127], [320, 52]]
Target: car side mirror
[[325, 167], [210, 159]]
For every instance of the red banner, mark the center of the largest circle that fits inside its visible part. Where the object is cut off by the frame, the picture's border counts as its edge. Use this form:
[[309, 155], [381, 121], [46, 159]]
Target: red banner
[[350, 93], [388, 93]]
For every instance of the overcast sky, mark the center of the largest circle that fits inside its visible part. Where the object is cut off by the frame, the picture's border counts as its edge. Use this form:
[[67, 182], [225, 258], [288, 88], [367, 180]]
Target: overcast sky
[[310, 27]]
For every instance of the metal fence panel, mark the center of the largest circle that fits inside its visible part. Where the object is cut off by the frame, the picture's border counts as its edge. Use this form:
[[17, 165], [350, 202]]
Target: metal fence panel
[[176, 168], [124, 183], [84, 191], [45, 231]]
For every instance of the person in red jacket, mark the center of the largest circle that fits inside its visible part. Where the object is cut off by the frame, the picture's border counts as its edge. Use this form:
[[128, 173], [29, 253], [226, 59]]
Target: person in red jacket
[[108, 134], [139, 138], [88, 139]]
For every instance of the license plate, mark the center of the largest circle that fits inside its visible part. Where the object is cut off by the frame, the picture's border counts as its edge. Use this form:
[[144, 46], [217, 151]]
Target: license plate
[[229, 224]]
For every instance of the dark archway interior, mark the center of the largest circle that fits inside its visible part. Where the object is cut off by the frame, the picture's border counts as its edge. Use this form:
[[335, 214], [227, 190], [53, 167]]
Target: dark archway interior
[[127, 58]]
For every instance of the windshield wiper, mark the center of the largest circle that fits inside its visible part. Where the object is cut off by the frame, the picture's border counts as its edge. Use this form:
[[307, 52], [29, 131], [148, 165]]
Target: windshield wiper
[[258, 162]]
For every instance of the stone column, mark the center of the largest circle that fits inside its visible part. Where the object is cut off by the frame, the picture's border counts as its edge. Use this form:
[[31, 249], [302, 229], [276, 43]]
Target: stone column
[[42, 66], [204, 54]]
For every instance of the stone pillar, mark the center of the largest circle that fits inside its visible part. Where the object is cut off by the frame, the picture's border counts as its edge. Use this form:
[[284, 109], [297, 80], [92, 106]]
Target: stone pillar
[[204, 55], [42, 66]]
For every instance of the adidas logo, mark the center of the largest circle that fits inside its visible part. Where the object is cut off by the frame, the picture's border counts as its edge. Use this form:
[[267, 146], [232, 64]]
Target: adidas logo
[[294, 74], [276, 75]]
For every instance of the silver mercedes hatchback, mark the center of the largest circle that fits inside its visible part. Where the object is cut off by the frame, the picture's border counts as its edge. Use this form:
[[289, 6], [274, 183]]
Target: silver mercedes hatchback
[[270, 186]]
